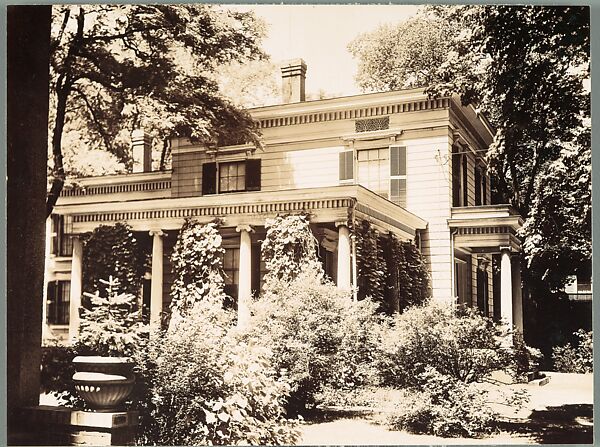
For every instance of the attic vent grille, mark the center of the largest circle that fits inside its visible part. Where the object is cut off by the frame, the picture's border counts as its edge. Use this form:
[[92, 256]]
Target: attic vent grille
[[371, 124]]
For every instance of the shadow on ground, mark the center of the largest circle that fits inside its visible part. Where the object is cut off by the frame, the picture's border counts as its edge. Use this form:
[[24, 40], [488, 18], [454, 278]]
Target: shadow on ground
[[565, 424]]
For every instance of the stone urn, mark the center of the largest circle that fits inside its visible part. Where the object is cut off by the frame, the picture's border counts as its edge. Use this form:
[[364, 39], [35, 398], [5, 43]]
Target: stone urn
[[103, 382]]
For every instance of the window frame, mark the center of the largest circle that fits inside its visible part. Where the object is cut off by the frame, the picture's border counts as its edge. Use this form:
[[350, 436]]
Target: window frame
[[213, 187], [58, 302]]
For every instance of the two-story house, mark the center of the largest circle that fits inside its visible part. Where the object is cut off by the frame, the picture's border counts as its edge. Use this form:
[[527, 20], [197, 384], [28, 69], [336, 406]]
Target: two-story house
[[409, 164]]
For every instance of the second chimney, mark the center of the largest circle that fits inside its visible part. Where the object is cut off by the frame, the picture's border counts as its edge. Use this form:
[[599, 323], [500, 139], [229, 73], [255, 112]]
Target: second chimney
[[141, 146], [293, 77]]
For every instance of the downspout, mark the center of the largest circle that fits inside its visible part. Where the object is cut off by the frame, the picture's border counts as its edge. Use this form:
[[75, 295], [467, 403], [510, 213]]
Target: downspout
[[353, 240], [453, 270]]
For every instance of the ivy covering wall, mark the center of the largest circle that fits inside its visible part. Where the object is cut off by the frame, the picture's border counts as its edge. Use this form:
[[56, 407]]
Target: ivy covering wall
[[390, 271]]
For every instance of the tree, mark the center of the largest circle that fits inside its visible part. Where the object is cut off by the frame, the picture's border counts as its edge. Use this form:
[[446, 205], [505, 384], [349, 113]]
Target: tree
[[117, 67], [405, 55], [525, 67]]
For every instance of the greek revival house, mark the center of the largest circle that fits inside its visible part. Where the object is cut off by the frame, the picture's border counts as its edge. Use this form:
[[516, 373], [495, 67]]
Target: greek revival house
[[408, 164]]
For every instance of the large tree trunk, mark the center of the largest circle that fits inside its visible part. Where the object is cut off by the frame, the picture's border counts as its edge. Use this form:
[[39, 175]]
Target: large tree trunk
[[27, 113]]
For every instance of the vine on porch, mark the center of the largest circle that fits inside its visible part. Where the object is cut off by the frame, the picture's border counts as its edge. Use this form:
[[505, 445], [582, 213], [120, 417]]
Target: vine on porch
[[197, 263], [392, 272]]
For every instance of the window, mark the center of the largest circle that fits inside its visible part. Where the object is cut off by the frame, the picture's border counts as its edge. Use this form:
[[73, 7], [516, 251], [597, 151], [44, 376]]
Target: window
[[58, 302], [459, 177], [346, 165], [398, 175], [477, 186], [232, 176], [373, 170], [231, 265], [61, 235]]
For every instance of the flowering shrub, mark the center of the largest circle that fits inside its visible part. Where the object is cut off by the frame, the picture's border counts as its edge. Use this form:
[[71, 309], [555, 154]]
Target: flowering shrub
[[458, 342], [289, 248], [318, 336], [197, 263], [575, 359], [444, 406], [200, 386], [525, 358]]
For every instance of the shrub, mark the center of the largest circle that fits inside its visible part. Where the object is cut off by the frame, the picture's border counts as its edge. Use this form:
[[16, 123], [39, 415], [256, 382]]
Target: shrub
[[445, 406], [112, 326], [318, 336], [457, 341], [199, 386], [575, 359], [56, 374], [197, 263], [112, 250], [526, 359], [289, 248]]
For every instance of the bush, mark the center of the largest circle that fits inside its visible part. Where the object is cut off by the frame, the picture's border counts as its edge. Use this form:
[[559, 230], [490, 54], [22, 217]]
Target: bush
[[199, 386], [575, 359], [526, 359], [318, 336], [445, 407], [56, 374], [459, 342]]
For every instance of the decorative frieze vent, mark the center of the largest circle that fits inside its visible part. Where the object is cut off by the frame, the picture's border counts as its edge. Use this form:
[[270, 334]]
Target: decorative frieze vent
[[117, 188], [486, 230], [364, 112], [372, 124]]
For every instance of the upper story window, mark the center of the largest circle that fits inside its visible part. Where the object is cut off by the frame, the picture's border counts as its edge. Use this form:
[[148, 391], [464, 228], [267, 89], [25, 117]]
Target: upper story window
[[61, 235], [460, 196], [480, 187], [382, 170], [222, 177]]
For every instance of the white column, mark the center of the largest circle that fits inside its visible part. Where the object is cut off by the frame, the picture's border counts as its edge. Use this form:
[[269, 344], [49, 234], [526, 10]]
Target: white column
[[156, 283], [76, 287], [517, 294], [343, 256], [506, 299], [245, 275]]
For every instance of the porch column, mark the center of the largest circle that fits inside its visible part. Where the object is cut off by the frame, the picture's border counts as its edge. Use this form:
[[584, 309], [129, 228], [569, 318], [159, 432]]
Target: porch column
[[343, 256], [245, 275], [156, 283], [517, 307], [506, 291], [76, 287]]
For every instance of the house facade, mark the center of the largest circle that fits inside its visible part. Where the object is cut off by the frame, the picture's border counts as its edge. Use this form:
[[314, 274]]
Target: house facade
[[410, 165]]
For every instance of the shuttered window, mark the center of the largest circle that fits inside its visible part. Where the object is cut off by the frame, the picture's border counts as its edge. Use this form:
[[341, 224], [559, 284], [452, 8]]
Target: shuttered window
[[484, 188], [61, 235], [477, 187], [398, 175], [231, 176], [58, 302], [346, 165]]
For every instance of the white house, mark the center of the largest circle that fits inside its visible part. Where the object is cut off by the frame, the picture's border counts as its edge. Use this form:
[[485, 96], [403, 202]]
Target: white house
[[409, 164]]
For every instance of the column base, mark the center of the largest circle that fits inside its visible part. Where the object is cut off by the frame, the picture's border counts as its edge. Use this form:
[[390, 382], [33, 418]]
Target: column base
[[49, 425]]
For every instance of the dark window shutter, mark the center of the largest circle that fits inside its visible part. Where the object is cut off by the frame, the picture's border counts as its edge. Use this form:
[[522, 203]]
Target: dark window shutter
[[51, 303], [346, 165], [253, 175], [484, 188], [477, 187], [397, 160], [456, 180], [209, 178], [464, 181]]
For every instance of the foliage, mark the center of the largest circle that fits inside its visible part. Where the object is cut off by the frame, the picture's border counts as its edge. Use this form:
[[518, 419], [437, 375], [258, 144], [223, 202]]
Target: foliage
[[318, 335], [197, 263], [526, 359], [201, 386], [118, 67], [445, 407], [251, 84], [575, 359], [400, 56], [458, 342], [112, 325], [56, 374], [289, 248], [112, 250], [391, 272]]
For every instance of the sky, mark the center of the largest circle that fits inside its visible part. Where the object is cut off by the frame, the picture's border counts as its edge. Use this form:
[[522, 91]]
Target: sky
[[320, 34]]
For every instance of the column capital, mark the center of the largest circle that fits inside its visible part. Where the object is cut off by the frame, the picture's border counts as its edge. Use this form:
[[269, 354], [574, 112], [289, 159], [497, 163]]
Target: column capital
[[247, 228], [504, 248], [156, 233], [341, 222]]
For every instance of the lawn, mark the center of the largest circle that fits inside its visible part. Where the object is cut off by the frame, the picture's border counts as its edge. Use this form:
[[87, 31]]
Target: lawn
[[558, 413]]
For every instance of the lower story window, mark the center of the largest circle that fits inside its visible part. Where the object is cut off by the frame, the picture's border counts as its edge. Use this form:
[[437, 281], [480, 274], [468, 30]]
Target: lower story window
[[58, 302], [231, 265]]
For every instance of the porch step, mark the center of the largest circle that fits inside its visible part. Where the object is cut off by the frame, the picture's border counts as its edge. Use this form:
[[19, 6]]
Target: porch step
[[540, 381]]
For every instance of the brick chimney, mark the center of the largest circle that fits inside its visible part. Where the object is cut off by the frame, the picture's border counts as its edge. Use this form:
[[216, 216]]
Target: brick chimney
[[141, 147], [293, 77]]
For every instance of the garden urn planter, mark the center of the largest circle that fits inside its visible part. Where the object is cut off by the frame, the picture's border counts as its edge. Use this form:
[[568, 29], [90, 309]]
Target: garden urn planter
[[103, 382]]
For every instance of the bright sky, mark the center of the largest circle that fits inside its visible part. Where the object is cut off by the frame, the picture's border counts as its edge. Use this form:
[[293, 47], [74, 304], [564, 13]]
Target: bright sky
[[320, 34]]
